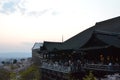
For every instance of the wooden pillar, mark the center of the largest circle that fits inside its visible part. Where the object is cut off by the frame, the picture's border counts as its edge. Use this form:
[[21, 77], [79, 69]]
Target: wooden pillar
[[43, 55]]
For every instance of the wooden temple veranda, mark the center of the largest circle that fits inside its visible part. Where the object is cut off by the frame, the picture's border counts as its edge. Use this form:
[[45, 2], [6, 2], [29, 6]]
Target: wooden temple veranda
[[96, 49]]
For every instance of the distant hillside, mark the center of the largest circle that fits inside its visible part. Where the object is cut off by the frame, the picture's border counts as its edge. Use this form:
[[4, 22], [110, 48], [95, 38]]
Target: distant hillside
[[15, 55]]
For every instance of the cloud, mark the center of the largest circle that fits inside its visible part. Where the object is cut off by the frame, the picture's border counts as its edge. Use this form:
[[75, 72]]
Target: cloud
[[38, 13], [12, 6], [54, 13], [24, 7], [8, 7]]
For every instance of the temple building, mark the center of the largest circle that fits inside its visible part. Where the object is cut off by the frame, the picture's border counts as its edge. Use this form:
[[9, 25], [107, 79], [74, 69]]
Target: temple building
[[97, 49]]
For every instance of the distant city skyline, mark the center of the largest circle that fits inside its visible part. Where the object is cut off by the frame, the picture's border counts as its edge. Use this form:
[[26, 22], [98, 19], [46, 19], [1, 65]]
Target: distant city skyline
[[24, 22]]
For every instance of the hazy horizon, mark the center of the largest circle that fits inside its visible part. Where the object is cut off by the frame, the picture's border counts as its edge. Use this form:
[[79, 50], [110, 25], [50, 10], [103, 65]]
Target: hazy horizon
[[15, 55]]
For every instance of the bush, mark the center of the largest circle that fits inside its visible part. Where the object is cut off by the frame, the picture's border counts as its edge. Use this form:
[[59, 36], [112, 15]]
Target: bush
[[90, 76], [4, 74], [32, 73], [13, 76]]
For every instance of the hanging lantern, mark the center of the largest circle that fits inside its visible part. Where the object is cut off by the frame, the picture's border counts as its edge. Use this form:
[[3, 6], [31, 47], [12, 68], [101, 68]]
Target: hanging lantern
[[116, 59], [101, 56], [108, 58]]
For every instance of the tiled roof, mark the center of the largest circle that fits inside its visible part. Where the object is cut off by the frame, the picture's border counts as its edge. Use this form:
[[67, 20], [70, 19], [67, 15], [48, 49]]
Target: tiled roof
[[37, 45], [110, 25], [107, 31]]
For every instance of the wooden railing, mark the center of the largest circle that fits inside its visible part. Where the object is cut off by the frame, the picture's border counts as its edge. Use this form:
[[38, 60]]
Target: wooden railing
[[60, 68], [102, 67], [73, 68], [55, 67]]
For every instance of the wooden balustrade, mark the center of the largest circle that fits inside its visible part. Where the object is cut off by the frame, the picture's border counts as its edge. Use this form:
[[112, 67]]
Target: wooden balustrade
[[67, 69], [56, 67], [102, 67], [61, 68]]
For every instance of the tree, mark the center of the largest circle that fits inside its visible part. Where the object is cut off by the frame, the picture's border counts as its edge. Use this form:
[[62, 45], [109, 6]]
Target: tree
[[32, 73], [3, 62], [4, 74], [90, 76], [14, 61], [13, 76]]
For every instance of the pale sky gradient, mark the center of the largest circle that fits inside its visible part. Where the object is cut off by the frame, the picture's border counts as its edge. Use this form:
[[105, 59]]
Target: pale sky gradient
[[24, 22]]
